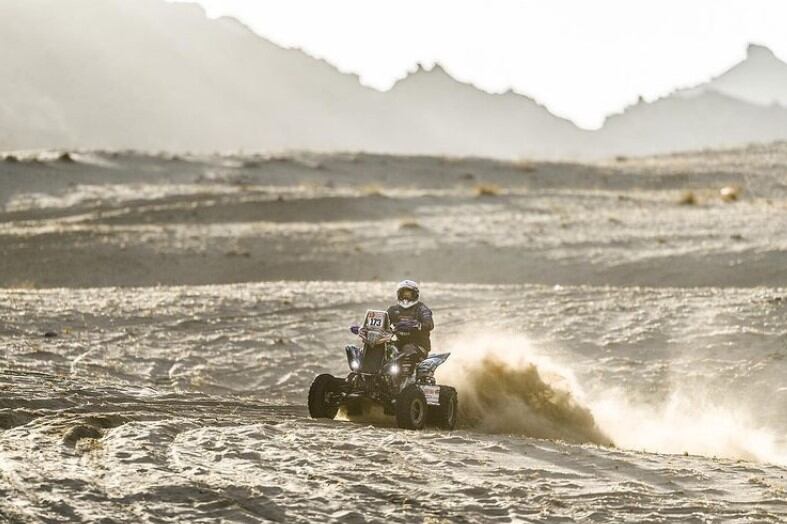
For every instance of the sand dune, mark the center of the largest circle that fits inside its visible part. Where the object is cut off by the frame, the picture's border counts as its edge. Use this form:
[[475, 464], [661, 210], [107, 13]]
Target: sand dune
[[616, 330], [185, 403], [104, 219]]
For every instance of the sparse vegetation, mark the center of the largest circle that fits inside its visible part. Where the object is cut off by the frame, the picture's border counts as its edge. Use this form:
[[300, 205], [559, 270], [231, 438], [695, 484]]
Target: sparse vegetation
[[688, 198], [409, 223], [730, 193], [372, 190], [487, 190], [11, 159], [88, 445], [66, 158]]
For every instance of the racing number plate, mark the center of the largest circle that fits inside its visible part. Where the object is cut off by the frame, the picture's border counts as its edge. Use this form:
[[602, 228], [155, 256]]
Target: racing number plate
[[432, 394], [375, 319]]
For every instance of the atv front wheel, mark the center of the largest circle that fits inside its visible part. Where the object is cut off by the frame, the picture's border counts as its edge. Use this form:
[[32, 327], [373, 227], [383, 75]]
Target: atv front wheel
[[411, 408], [319, 394], [444, 416]]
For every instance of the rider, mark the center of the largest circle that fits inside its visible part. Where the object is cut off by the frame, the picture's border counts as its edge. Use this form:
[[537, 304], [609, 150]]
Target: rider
[[412, 322]]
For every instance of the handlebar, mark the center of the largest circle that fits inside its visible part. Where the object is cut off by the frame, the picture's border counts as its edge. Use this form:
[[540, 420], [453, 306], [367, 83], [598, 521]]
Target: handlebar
[[356, 330]]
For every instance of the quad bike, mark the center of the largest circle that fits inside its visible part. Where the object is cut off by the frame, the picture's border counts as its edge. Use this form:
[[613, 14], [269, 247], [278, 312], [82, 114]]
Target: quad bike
[[378, 372]]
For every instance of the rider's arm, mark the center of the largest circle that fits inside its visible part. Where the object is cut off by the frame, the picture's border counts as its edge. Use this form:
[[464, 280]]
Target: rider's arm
[[393, 318], [425, 318], [396, 318]]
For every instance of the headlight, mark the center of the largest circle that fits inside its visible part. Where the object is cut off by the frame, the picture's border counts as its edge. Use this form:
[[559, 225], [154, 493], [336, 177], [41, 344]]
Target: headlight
[[394, 369], [354, 365]]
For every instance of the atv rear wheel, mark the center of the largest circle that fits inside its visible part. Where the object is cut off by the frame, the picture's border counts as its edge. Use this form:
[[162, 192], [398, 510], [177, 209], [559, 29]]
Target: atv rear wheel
[[319, 394], [411, 408], [354, 408], [444, 416]]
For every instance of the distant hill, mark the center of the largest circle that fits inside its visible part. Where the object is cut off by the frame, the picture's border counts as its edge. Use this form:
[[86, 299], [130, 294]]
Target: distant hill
[[760, 79], [150, 75], [707, 119]]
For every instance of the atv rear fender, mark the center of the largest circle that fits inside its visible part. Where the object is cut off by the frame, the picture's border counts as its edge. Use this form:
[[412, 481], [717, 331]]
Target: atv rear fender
[[429, 364]]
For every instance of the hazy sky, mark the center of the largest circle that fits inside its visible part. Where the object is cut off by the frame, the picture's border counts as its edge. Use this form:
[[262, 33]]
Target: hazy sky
[[583, 59]]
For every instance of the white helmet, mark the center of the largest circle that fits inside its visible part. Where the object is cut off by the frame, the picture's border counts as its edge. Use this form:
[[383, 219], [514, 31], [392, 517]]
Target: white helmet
[[407, 293]]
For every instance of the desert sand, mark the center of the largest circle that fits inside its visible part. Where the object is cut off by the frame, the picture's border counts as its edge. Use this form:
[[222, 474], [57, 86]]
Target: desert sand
[[617, 332]]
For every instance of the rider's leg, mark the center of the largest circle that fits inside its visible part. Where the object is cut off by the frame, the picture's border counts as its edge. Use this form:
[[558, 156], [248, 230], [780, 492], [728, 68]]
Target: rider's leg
[[412, 355]]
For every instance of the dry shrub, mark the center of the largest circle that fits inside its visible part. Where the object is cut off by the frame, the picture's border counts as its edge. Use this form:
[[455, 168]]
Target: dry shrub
[[88, 445], [688, 199], [409, 223], [11, 159], [372, 190], [66, 158], [730, 193], [487, 190]]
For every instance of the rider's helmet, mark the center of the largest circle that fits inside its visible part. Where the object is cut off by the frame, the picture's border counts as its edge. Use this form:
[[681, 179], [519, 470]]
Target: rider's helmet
[[407, 293]]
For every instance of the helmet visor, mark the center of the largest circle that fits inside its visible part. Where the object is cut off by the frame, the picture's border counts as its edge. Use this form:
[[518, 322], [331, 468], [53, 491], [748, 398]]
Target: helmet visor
[[407, 294]]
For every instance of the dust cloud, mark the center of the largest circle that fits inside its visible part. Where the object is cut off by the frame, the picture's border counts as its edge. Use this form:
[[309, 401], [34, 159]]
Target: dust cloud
[[687, 421], [505, 388]]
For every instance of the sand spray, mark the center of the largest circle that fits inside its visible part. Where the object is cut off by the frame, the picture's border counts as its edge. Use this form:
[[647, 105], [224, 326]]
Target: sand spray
[[506, 386], [691, 422]]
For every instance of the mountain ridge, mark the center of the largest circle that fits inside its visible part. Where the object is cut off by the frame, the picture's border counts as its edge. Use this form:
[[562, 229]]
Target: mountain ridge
[[761, 78], [152, 75]]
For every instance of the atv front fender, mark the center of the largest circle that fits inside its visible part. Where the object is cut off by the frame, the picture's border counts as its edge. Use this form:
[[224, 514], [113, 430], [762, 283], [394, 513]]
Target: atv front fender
[[353, 354]]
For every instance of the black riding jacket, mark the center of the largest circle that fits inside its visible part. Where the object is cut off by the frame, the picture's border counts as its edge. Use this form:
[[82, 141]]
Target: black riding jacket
[[422, 314]]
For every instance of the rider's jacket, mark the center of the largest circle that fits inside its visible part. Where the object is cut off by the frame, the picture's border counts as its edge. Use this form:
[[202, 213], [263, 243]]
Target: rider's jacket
[[422, 314]]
